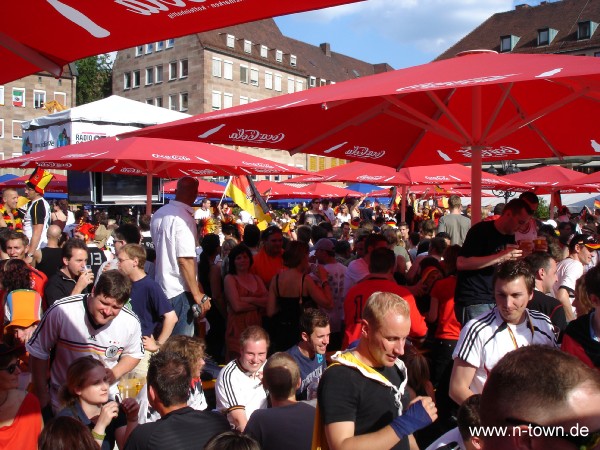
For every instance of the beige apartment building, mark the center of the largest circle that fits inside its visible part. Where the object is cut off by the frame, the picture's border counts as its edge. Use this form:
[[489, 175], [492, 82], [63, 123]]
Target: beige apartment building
[[26, 99], [234, 66]]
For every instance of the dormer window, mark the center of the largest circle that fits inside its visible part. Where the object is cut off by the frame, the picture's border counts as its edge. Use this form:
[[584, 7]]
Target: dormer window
[[230, 41], [508, 42], [543, 36], [278, 56], [293, 61], [586, 29], [264, 51], [247, 46]]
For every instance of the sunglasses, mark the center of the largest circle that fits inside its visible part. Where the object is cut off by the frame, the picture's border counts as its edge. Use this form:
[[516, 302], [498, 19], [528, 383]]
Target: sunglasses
[[10, 369], [587, 442]]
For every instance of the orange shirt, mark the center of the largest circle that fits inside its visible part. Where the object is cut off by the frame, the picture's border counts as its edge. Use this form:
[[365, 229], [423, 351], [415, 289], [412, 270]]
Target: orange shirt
[[266, 267], [23, 433], [448, 327]]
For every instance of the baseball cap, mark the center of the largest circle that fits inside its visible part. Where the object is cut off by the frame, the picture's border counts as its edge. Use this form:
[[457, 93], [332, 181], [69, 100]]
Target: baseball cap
[[23, 308], [588, 240], [325, 244]]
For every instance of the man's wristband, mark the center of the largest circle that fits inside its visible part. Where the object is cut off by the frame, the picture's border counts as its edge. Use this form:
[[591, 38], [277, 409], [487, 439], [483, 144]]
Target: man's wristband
[[413, 419], [98, 436], [205, 298]]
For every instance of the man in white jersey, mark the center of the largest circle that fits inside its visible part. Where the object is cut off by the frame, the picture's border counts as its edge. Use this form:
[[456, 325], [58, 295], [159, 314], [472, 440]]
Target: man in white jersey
[[80, 325], [239, 389], [508, 326], [37, 212]]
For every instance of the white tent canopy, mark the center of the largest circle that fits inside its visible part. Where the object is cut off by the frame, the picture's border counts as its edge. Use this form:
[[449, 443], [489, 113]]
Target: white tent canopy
[[110, 110]]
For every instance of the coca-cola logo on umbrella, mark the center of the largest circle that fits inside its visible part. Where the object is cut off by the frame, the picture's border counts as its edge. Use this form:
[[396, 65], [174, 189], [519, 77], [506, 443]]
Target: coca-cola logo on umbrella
[[171, 157], [255, 136], [364, 152]]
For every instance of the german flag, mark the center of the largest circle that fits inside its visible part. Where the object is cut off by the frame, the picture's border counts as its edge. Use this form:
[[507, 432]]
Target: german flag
[[596, 204]]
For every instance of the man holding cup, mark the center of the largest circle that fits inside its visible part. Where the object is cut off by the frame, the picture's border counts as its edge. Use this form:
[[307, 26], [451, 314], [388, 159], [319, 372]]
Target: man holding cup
[[74, 277]]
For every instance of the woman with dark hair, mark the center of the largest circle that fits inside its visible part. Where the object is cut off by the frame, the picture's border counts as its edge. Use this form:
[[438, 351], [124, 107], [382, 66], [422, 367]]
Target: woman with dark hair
[[246, 296], [209, 275], [85, 396], [66, 433], [20, 415], [292, 291]]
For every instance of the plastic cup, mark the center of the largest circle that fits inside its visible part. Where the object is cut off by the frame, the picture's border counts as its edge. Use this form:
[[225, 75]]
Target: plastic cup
[[540, 244]]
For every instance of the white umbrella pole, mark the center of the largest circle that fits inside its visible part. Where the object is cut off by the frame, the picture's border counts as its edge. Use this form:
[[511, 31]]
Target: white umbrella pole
[[552, 203], [403, 204], [149, 194]]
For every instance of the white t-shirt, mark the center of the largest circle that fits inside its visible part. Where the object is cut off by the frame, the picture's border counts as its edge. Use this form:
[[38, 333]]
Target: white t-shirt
[[486, 339], [202, 214], [357, 270], [66, 328], [28, 221], [330, 213], [451, 437], [568, 271], [237, 389], [343, 218], [246, 217], [529, 235], [336, 276], [174, 234]]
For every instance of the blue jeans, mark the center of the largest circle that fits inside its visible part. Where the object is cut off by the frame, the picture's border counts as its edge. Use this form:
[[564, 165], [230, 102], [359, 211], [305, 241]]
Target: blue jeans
[[466, 313], [182, 305]]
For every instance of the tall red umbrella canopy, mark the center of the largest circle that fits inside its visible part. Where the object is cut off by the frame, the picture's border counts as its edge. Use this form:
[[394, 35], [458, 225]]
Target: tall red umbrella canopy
[[151, 158], [63, 31], [205, 188], [585, 183], [482, 106], [544, 180], [58, 184], [356, 172], [303, 190]]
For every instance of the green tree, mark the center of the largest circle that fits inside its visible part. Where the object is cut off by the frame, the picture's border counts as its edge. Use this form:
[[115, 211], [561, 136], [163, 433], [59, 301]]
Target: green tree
[[543, 211], [95, 78]]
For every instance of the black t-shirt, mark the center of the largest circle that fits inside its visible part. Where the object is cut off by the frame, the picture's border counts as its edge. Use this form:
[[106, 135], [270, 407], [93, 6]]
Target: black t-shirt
[[474, 287], [95, 259], [51, 261], [366, 214], [60, 286], [181, 429], [551, 307], [345, 395]]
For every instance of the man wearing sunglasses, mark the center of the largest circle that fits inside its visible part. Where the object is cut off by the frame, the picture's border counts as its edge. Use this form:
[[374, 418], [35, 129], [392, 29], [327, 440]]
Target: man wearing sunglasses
[[541, 398]]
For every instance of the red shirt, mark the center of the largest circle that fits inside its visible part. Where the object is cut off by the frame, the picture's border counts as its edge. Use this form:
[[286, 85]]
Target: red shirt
[[448, 327], [266, 267], [357, 298]]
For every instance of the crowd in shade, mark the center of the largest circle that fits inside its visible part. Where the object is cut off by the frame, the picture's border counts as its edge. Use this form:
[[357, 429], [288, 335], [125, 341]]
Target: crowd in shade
[[339, 325]]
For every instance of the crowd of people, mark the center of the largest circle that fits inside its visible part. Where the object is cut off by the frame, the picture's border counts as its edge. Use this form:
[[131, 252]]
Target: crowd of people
[[346, 327]]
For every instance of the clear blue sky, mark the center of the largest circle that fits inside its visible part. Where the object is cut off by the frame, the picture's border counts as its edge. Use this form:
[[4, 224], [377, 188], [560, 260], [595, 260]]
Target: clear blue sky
[[402, 33]]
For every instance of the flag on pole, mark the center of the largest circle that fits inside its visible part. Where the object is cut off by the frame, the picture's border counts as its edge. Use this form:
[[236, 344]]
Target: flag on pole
[[243, 192], [18, 97], [596, 204]]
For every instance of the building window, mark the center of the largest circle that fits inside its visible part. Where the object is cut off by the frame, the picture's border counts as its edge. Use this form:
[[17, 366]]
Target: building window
[[247, 46], [183, 101], [312, 81], [243, 100], [18, 97], [230, 41], [60, 82], [149, 48], [1, 95], [586, 29], [1, 128], [543, 36], [254, 77], [127, 80], [158, 78], [149, 101], [228, 70], [173, 102], [61, 97], [170, 43], [508, 43], [264, 51], [183, 68], [139, 50], [299, 85], [278, 55], [216, 100], [597, 54], [17, 130], [136, 78], [290, 87], [160, 45], [216, 67], [293, 61], [173, 70], [244, 74], [158, 102], [278, 82], [268, 80], [39, 99], [149, 75], [227, 100]]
